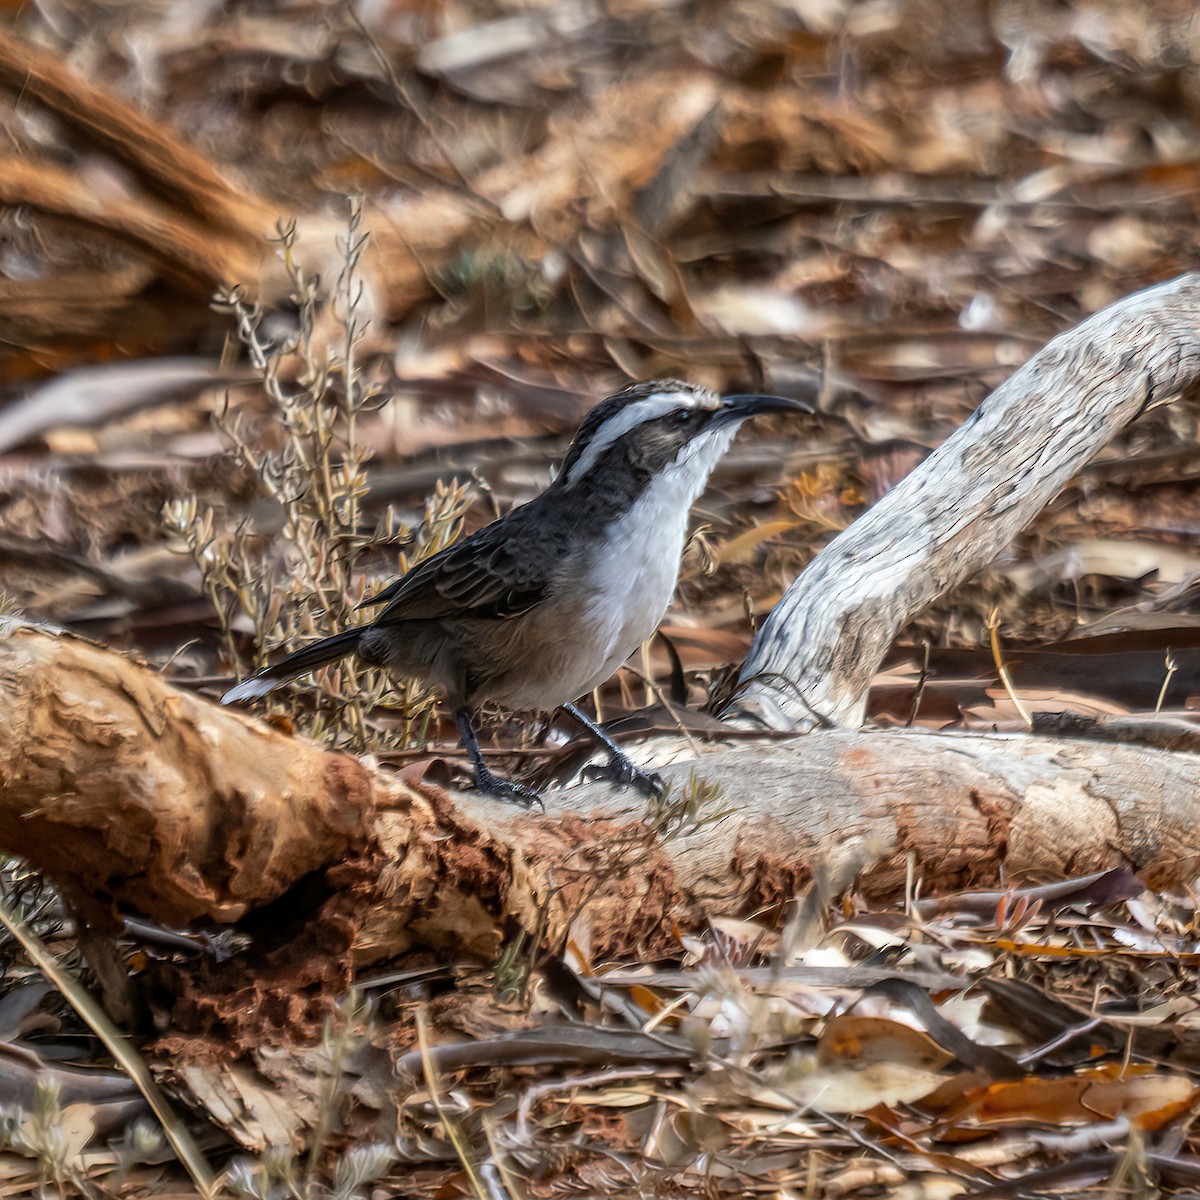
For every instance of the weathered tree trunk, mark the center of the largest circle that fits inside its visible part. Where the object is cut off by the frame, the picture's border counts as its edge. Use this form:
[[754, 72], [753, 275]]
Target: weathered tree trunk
[[816, 653]]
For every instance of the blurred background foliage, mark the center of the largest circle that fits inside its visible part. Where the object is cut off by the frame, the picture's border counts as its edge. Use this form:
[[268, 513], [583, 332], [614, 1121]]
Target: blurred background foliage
[[892, 203], [292, 293]]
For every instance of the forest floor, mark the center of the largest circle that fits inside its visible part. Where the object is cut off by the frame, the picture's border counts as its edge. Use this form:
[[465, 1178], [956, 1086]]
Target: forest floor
[[296, 294]]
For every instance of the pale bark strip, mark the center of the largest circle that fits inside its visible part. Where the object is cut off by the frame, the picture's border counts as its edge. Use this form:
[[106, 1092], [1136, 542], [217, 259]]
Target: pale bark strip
[[814, 657]]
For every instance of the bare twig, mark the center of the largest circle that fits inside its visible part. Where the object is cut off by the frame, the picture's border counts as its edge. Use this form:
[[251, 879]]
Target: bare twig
[[118, 1046]]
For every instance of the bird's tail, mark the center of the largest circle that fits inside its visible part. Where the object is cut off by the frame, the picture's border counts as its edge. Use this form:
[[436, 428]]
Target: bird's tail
[[327, 650]]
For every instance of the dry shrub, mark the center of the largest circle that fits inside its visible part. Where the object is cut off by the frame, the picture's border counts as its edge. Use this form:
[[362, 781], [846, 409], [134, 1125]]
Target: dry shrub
[[299, 577]]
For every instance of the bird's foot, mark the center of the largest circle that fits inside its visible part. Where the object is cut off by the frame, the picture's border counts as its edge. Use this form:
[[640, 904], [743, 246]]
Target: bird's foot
[[508, 790], [622, 770]]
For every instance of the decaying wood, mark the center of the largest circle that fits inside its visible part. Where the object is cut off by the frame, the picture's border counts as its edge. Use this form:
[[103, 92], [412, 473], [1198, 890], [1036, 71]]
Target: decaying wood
[[815, 656], [124, 786], [960, 810], [165, 803]]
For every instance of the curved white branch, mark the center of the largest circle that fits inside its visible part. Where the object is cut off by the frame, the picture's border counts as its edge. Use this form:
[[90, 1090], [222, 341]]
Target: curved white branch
[[814, 657]]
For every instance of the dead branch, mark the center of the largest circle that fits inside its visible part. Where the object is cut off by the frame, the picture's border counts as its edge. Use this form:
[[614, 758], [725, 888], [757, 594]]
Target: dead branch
[[816, 654], [193, 256], [165, 166], [203, 231], [961, 810], [143, 795]]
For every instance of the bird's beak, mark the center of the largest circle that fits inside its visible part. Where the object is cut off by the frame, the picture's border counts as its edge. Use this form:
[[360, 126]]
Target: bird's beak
[[738, 408]]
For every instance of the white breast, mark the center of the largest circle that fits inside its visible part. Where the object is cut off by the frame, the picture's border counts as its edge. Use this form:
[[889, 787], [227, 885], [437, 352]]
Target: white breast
[[612, 597], [629, 592], [631, 583]]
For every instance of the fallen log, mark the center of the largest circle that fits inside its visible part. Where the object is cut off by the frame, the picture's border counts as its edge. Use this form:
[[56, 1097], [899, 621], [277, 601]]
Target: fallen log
[[156, 800], [135, 791]]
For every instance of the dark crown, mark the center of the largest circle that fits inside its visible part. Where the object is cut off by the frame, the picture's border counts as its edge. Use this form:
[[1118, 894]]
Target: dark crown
[[691, 396]]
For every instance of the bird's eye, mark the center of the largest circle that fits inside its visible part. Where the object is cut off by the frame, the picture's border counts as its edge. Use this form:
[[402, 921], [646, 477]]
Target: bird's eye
[[683, 416]]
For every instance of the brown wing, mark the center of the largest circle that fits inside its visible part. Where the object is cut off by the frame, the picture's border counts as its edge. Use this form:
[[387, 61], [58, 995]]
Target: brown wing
[[488, 575]]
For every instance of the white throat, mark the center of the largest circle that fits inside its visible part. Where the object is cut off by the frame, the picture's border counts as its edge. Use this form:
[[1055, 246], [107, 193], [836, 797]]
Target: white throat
[[680, 483], [633, 577]]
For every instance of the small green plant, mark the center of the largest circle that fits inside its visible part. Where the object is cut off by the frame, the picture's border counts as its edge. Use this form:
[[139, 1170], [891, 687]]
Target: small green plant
[[300, 577], [683, 812]]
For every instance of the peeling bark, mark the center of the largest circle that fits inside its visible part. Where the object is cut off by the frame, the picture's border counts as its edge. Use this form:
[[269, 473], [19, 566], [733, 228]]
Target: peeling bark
[[817, 652], [133, 790], [163, 802]]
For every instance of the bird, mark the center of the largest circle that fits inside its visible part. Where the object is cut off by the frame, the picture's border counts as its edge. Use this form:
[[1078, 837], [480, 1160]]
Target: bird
[[543, 605]]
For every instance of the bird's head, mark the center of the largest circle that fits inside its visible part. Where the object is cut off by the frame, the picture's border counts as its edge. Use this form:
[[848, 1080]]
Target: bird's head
[[664, 429]]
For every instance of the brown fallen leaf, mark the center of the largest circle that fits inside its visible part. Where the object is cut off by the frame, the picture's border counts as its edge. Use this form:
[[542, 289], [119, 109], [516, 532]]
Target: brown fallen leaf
[[1150, 1099], [739, 549], [860, 1063]]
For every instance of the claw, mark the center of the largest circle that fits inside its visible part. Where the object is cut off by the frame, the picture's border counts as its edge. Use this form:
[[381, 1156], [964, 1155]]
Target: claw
[[508, 790], [622, 770]]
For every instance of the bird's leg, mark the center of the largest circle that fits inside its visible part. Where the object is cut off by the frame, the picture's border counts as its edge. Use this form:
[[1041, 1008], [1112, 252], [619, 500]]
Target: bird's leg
[[485, 781], [620, 767]]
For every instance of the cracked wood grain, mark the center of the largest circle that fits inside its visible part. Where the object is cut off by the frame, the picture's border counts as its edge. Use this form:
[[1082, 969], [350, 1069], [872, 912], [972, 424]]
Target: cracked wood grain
[[130, 790], [815, 655], [149, 798]]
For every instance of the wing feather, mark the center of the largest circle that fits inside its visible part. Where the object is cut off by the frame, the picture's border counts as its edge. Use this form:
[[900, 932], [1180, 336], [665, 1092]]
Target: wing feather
[[485, 576]]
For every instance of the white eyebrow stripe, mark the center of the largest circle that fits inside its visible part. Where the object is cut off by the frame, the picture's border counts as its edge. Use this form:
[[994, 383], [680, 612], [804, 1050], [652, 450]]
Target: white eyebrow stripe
[[650, 408]]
